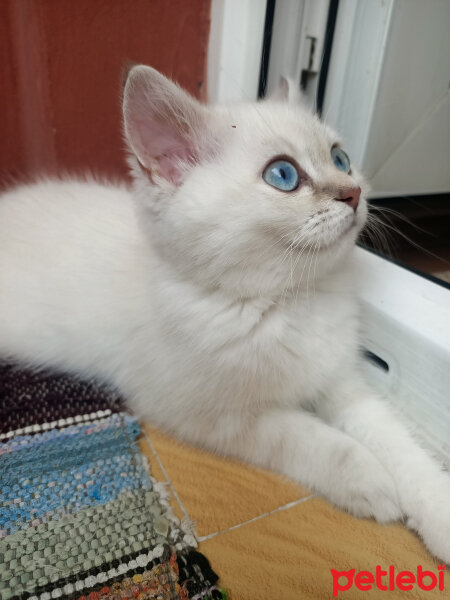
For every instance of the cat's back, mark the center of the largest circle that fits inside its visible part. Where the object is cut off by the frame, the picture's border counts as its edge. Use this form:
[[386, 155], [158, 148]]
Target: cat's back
[[52, 209], [70, 222], [69, 265]]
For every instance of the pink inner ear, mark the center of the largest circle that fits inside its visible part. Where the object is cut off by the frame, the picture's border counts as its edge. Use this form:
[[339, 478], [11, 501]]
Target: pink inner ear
[[160, 148], [170, 164]]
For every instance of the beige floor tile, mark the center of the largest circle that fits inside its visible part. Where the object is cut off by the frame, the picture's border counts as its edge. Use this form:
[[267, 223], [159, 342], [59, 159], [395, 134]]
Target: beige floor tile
[[216, 492], [288, 555]]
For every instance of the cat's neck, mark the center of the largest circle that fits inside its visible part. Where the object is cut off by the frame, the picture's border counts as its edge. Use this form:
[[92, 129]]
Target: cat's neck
[[173, 289]]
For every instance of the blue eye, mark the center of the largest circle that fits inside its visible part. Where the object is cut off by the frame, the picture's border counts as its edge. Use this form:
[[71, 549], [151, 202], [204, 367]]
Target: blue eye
[[282, 175], [340, 159]]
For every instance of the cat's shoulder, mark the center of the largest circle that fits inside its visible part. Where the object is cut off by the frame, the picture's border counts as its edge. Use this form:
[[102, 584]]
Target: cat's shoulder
[[65, 188]]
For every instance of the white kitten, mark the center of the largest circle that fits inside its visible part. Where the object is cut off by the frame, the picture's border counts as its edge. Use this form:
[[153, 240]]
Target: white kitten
[[218, 296]]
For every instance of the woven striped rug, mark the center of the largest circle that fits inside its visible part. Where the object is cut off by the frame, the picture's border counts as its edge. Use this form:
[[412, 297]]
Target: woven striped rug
[[80, 515]]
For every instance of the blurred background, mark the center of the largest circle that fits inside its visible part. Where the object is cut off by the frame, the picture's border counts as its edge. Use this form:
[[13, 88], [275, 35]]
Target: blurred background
[[377, 70]]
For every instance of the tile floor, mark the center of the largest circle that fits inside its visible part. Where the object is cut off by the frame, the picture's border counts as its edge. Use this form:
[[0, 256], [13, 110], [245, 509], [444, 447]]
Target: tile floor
[[270, 539]]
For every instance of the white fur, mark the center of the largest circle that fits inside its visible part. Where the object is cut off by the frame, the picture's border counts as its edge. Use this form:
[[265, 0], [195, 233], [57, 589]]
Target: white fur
[[221, 307]]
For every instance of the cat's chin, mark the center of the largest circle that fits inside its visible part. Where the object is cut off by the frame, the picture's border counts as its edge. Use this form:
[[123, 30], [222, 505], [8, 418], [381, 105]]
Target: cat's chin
[[324, 243], [347, 235]]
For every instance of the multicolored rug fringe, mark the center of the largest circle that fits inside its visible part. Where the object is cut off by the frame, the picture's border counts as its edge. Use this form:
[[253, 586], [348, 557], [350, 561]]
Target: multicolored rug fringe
[[80, 515]]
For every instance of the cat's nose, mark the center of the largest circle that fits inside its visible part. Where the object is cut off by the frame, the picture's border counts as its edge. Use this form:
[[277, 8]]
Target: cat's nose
[[350, 196]]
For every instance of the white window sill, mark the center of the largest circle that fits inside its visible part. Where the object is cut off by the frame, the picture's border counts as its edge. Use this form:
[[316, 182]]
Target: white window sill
[[406, 323]]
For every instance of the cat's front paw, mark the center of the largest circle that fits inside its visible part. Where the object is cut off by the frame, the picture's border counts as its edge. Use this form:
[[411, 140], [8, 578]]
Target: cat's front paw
[[366, 489], [431, 520]]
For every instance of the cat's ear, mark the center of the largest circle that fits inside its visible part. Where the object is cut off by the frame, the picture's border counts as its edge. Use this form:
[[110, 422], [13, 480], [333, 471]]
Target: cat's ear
[[286, 91], [164, 126]]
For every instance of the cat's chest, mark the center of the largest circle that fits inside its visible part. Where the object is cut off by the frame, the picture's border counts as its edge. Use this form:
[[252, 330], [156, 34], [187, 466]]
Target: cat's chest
[[300, 346], [269, 349]]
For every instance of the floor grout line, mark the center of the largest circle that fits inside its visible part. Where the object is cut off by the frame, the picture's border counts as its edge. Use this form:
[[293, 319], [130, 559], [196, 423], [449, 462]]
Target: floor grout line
[[169, 481], [149, 466], [202, 538]]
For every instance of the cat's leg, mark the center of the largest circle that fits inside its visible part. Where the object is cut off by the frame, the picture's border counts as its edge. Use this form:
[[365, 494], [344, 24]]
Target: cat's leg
[[423, 486], [322, 458]]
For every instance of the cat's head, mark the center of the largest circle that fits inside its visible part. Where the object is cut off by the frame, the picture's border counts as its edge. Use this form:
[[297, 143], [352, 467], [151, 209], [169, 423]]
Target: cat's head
[[253, 198]]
